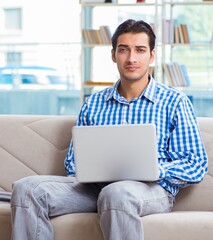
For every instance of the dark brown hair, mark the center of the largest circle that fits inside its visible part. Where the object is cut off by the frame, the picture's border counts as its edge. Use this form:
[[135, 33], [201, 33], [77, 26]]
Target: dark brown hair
[[133, 26]]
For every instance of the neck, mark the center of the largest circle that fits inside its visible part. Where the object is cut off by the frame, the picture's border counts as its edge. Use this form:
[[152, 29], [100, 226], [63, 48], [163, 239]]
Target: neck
[[130, 90]]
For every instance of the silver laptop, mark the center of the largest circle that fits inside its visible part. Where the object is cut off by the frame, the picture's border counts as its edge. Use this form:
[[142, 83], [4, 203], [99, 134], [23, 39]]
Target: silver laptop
[[110, 153]]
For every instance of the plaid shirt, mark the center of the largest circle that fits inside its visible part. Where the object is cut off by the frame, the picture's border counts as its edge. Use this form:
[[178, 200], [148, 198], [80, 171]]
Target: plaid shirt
[[181, 154]]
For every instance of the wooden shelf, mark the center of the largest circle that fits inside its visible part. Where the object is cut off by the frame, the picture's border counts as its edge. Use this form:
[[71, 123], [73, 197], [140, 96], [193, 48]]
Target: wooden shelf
[[90, 84]]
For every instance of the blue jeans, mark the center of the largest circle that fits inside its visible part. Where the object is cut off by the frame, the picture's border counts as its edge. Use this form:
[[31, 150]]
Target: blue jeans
[[120, 205]]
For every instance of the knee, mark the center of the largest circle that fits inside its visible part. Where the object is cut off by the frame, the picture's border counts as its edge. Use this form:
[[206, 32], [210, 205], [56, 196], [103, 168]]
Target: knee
[[23, 190], [117, 196]]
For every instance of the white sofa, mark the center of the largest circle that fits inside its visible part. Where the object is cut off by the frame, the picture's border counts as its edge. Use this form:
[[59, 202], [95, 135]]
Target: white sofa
[[31, 145]]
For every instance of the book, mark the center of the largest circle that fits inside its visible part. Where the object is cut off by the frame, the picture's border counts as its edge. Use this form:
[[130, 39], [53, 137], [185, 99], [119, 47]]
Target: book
[[168, 31], [185, 74], [106, 34], [180, 32], [168, 74], [176, 74], [97, 36], [184, 29], [180, 76], [177, 38]]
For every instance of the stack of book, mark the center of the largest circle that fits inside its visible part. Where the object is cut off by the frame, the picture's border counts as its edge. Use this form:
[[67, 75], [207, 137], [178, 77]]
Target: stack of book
[[176, 74], [175, 33], [168, 31], [181, 34], [97, 36]]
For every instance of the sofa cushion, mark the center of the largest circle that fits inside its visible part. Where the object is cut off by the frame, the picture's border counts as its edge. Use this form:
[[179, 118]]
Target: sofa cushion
[[179, 226], [31, 145], [85, 226], [82, 226]]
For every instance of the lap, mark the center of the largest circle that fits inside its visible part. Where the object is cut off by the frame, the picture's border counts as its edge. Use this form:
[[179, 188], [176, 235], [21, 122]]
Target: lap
[[63, 195], [142, 197]]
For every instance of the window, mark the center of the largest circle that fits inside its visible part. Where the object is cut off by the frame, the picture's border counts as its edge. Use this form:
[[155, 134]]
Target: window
[[13, 58], [13, 18]]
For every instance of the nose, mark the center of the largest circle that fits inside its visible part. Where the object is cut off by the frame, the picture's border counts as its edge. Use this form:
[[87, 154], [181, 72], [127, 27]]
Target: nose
[[132, 56]]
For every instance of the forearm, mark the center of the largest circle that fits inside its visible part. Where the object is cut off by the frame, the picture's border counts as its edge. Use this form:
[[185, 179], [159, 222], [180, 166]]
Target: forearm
[[183, 172]]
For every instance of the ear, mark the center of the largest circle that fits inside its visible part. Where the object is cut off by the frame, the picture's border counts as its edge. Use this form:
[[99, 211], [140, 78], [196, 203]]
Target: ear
[[152, 56], [113, 56]]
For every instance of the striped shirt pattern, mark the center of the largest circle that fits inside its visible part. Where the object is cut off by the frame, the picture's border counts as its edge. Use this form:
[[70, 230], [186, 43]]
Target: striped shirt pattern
[[181, 154]]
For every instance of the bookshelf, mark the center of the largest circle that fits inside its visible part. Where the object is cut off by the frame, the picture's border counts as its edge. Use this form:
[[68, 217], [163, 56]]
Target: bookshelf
[[188, 49], [175, 43], [96, 34]]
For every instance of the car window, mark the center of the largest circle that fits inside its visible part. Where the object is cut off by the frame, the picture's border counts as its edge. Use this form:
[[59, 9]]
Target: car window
[[54, 79], [28, 79], [6, 79]]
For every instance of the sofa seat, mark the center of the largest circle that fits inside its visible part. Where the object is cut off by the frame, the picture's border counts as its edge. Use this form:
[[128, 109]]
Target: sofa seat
[[194, 225]]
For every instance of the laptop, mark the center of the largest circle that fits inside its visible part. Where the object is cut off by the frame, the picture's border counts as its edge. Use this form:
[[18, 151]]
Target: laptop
[[108, 153]]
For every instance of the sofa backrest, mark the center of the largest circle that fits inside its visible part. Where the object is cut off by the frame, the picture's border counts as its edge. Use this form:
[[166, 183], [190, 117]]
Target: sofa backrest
[[200, 196], [31, 145]]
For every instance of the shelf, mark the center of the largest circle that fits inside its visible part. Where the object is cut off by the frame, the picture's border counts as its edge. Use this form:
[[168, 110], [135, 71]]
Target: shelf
[[119, 4], [207, 44], [164, 51], [90, 50], [197, 88], [173, 3], [91, 84]]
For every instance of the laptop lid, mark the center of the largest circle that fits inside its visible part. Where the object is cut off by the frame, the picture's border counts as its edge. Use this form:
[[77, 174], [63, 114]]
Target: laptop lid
[[107, 153]]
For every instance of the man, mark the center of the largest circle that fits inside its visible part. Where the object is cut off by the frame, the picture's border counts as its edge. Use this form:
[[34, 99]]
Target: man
[[135, 98]]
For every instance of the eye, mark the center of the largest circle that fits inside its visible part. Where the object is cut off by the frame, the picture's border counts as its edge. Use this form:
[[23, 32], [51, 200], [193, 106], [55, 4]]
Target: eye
[[122, 50], [140, 50]]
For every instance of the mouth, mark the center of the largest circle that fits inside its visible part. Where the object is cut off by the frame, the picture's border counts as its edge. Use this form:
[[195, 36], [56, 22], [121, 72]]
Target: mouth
[[131, 68]]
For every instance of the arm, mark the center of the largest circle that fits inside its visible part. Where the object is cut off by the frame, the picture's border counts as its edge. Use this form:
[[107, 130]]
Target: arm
[[188, 161], [69, 162]]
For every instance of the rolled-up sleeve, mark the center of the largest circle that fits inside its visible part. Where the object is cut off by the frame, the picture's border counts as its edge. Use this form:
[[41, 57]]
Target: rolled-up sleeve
[[69, 162], [188, 161]]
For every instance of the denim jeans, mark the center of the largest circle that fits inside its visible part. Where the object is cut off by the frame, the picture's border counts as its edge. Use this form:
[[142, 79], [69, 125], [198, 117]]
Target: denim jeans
[[120, 205]]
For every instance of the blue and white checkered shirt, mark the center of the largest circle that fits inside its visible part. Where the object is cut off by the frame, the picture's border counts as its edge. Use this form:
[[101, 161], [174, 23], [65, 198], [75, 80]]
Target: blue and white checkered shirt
[[182, 157]]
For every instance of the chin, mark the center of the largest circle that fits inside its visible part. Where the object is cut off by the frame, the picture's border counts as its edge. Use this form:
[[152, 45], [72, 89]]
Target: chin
[[133, 79]]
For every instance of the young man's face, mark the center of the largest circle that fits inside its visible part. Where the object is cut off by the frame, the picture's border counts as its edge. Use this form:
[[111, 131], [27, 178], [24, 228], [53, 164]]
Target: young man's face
[[133, 56]]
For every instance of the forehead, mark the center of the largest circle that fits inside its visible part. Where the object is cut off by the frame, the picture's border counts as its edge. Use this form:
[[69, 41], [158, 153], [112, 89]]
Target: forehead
[[133, 39]]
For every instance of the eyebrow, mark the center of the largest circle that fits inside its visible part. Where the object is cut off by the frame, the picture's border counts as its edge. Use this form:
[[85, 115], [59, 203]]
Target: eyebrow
[[126, 46]]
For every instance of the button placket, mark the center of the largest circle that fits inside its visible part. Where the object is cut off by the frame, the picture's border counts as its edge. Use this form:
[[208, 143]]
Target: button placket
[[124, 114]]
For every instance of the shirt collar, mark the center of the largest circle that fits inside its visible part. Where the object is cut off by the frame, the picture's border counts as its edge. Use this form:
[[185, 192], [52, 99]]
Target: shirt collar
[[149, 92]]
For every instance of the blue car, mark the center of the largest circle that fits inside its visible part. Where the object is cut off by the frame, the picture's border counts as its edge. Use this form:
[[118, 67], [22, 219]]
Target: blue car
[[30, 75]]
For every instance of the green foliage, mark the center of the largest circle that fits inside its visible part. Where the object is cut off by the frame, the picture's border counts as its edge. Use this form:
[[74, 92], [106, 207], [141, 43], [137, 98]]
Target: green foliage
[[199, 20]]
